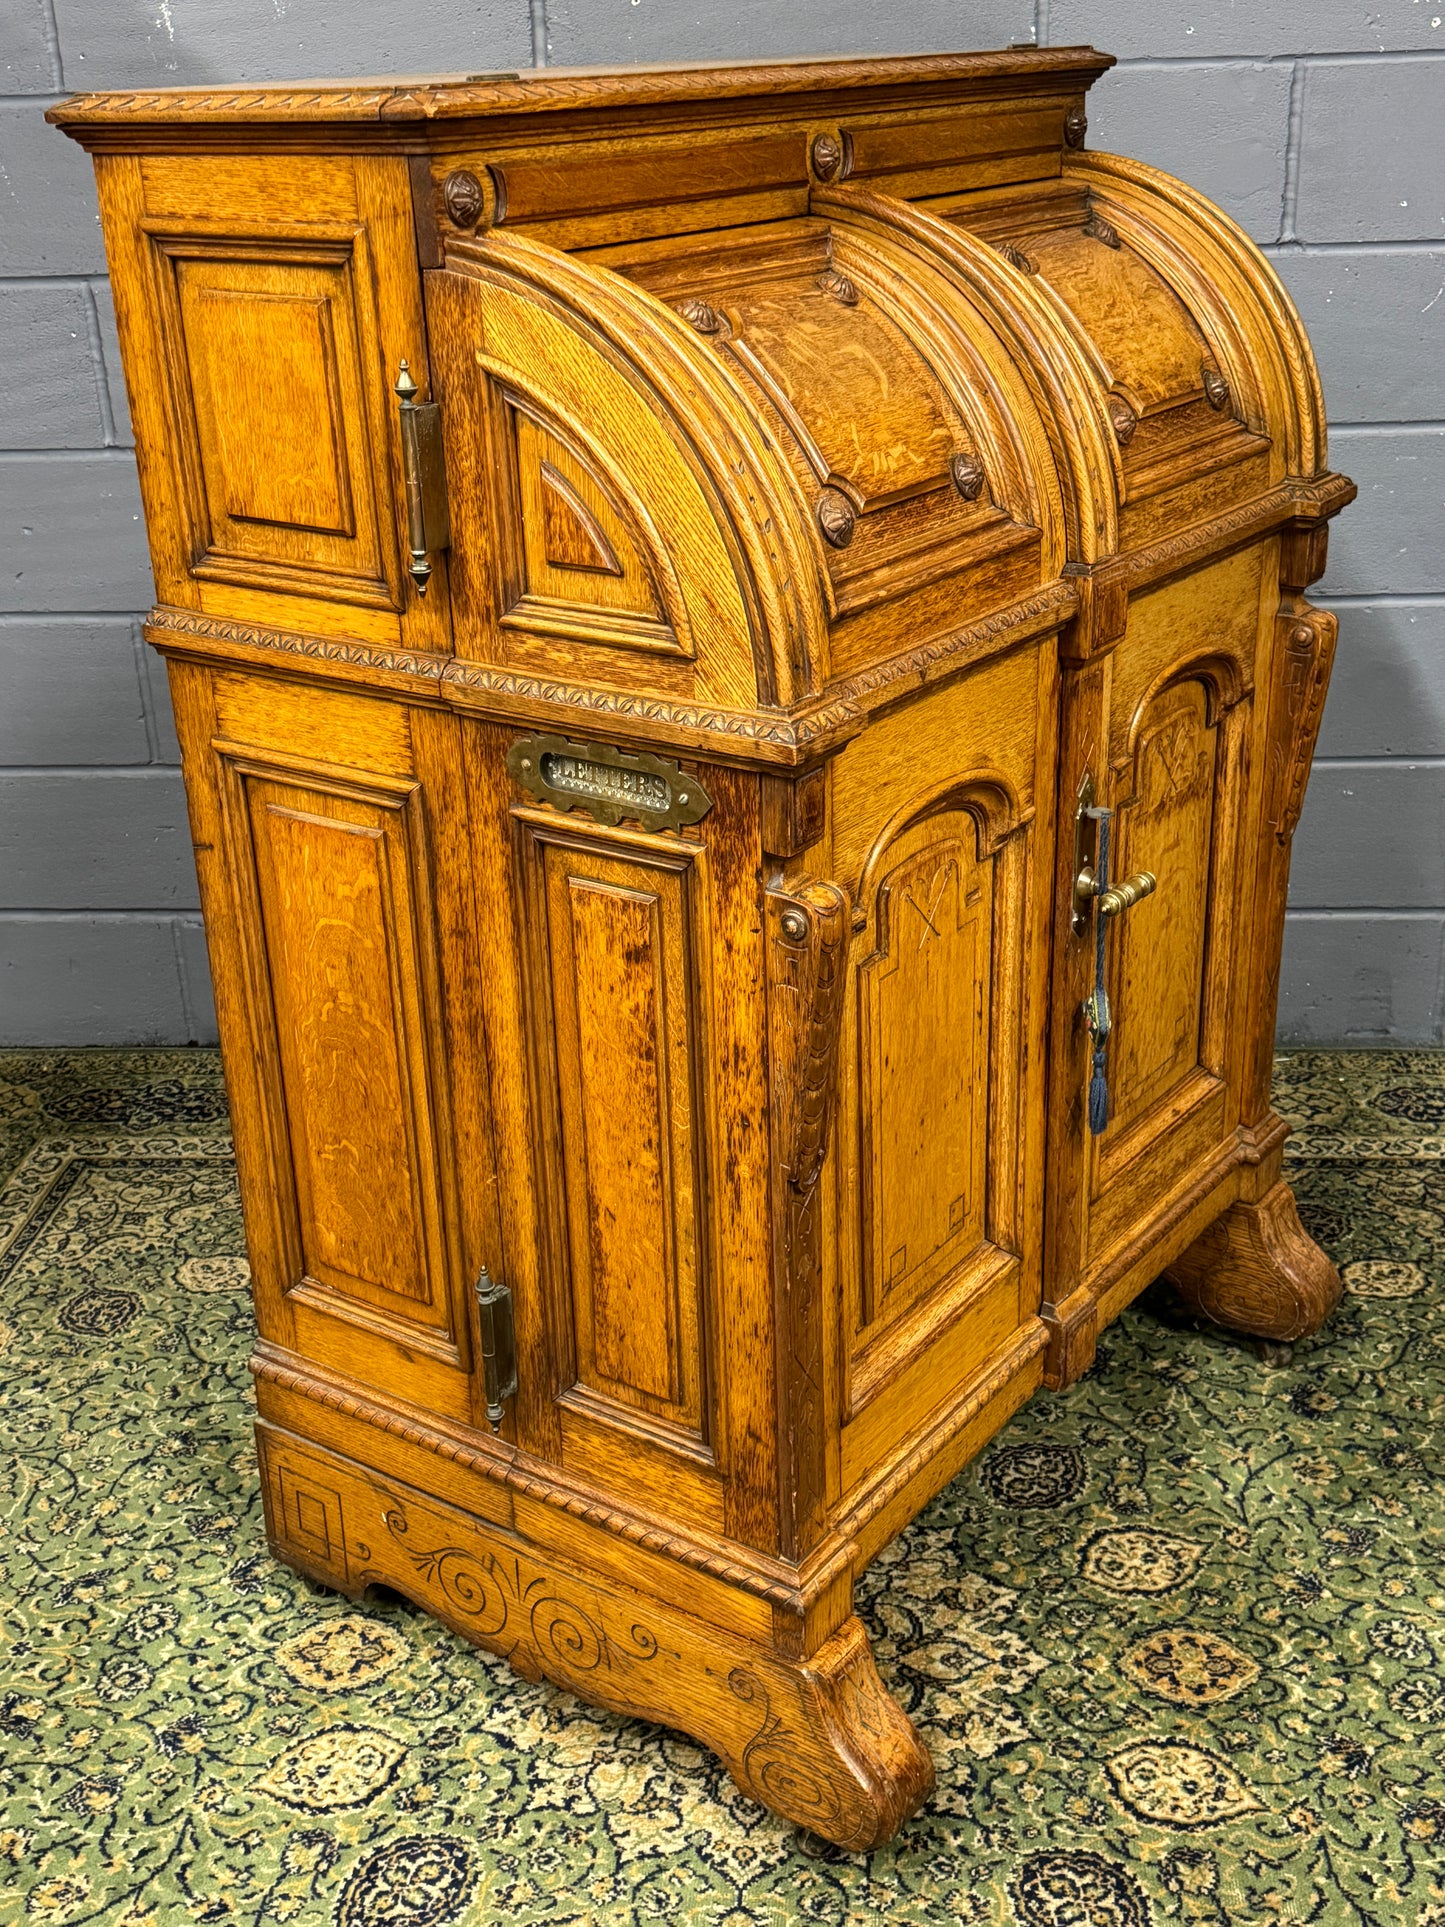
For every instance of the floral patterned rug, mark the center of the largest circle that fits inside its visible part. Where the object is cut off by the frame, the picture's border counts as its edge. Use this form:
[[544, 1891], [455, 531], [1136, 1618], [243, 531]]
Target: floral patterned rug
[[1177, 1639]]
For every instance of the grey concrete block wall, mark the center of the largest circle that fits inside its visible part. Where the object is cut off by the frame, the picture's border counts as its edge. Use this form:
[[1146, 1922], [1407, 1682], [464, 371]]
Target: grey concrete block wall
[[1317, 125]]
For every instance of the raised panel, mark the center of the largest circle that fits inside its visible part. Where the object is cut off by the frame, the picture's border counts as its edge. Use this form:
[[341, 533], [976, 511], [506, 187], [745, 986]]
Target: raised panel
[[331, 877], [273, 419], [1160, 947], [621, 999], [923, 1037]]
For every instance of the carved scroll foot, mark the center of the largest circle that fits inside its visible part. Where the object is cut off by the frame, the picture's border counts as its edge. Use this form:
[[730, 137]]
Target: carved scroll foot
[[1255, 1270], [819, 1740], [852, 1768]]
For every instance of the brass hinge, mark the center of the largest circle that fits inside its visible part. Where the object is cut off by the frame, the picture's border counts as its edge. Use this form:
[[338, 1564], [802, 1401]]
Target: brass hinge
[[428, 513], [499, 1345]]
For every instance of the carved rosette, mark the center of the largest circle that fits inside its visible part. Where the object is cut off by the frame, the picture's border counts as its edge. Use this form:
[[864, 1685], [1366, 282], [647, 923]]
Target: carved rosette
[[700, 315], [1124, 420], [839, 286], [1076, 126], [1216, 388], [827, 156], [464, 198], [836, 518], [807, 936], [1098, 229], [968, 476]]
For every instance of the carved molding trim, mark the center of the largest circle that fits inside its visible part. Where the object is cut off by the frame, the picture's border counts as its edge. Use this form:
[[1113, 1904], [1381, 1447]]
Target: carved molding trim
[[847, 701], [873, 1500], [513, 1469]]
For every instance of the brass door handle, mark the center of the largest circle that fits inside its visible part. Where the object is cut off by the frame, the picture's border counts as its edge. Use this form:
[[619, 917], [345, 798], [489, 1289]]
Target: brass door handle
[[1111, 903], [428, 516]]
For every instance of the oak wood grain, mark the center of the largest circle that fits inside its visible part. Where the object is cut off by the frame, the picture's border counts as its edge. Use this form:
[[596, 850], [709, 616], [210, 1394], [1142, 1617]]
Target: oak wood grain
[[888, 469]]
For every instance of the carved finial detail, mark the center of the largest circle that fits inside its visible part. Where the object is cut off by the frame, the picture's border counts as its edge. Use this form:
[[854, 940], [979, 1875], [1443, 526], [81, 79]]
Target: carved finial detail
[[1016, 258], [1216, 388], [1076, 125], [836, 518], [464, 198], [1098, 229], [700, 315], [1124, 419], [839, 286], [968, 476], [826, 155]]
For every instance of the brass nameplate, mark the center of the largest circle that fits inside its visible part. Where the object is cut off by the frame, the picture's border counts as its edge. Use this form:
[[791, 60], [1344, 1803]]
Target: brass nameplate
[[611, 784]]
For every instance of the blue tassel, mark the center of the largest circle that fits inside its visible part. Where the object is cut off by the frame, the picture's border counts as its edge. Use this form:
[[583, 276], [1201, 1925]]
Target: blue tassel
[[1099, 1094]]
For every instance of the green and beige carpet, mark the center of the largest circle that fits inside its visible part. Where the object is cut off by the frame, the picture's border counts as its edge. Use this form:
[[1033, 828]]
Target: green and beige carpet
[[1177, 1640]]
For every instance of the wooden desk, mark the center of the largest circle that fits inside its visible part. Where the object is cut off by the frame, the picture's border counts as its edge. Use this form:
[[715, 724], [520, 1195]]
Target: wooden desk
[[653, 763]]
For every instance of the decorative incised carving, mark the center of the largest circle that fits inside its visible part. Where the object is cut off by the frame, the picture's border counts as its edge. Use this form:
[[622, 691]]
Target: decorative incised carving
[[807, 974], [700, 315], [464, 198], [1124, 420], [826, 156], [1016, 258], [968, 476], [1098, 229], [610, 784], [836, 518], [1076, 126], [1216, 388], [839, 286], [1309, 653]]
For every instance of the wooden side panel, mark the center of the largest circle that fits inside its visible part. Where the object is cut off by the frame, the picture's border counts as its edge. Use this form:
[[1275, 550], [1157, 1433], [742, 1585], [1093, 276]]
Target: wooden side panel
[[623, 1008]]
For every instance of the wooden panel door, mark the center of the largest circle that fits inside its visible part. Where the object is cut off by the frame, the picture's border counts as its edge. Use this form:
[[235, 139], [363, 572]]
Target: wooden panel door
[[343, 993], [615, 930], [1176, 771]]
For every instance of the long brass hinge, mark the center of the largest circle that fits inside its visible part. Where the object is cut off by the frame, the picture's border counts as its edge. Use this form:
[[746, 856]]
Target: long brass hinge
[[428, 513], [499, 1344]]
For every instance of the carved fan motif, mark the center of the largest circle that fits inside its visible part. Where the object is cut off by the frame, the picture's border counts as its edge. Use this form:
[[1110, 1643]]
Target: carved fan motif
[[583, 552]]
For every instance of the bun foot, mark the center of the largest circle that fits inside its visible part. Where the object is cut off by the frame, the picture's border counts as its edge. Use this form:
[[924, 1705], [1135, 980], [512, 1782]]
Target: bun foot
[[1256, 1270]]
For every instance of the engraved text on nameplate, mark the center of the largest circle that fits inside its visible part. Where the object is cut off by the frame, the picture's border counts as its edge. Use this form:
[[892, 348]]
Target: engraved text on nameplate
[[612, 784]]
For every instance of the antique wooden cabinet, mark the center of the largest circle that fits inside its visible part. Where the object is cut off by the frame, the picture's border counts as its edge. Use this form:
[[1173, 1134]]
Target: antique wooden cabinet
[[721, 620]]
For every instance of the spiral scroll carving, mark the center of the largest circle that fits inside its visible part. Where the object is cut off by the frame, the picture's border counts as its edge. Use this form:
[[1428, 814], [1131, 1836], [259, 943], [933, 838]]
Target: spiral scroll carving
[[775, 1767]]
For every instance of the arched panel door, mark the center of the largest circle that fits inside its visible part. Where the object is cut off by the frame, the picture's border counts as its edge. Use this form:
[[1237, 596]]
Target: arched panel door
[[1178, 728], [932, 1246]]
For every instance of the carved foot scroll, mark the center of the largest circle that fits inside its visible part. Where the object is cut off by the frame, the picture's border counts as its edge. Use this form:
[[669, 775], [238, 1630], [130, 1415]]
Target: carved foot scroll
[[819, 1740], [1256, 1270]]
